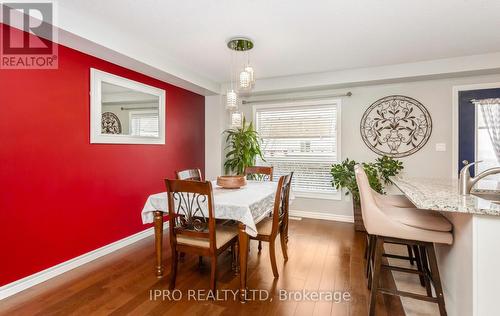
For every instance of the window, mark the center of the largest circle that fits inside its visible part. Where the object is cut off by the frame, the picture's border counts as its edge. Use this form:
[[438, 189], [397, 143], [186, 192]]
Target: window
[[485, 150], [304, 139], [144, 123]]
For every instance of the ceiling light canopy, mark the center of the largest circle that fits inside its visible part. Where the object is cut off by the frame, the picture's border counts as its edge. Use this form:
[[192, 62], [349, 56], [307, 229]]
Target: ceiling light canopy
[[240, 44]]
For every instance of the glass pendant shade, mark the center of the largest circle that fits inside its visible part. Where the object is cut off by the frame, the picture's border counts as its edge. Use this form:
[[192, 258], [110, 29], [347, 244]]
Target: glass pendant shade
[[236, 119], [231, 100], [245, 80], [249, 69]]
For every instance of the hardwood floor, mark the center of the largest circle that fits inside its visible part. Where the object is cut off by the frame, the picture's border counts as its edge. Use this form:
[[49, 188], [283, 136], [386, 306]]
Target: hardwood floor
[[323, 256]]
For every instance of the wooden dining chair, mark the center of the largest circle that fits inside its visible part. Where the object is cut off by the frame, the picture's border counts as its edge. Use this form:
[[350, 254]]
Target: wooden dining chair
[[269, 228], [192, 225], [259, 173], [192, 175], [189, 174]]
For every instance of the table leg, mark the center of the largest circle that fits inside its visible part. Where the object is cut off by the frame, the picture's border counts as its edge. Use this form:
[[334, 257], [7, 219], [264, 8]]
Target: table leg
[[159, 243], [243, 244]]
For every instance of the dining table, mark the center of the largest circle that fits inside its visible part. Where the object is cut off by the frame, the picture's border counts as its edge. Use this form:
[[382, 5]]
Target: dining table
[[247, 206]]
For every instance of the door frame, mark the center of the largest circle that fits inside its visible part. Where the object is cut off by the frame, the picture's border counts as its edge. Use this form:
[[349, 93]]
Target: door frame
[[455, 103]]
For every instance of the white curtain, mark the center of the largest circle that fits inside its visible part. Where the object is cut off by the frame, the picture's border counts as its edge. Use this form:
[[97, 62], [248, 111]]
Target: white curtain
[[491, 114]]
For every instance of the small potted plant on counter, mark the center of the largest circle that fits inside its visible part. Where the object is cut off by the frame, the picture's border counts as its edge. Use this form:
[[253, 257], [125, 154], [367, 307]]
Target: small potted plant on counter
[[378, 174]]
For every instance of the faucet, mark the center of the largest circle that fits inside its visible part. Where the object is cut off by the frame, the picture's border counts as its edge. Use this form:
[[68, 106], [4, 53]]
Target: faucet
[[467, 182]]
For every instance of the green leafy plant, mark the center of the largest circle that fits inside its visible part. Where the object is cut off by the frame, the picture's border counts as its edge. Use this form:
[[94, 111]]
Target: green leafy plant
[[388, 167], [343, 176], [378, 173], [243, 146]]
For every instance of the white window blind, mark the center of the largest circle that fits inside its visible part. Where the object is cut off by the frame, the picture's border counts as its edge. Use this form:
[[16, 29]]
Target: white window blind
[[302, 139], [144, 124]]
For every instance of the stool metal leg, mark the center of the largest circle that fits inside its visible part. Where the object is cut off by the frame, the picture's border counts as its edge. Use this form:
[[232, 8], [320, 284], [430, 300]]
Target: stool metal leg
[[410, 255], [425, 267], [377, 263], [418, 259]]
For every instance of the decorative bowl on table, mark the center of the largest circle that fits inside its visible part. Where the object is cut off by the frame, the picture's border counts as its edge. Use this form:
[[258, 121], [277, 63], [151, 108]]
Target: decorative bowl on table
[[231, 182]]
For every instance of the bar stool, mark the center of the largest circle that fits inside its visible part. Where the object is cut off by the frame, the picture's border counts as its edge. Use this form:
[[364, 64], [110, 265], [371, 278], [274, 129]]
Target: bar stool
[[408, 226], [392, 201]]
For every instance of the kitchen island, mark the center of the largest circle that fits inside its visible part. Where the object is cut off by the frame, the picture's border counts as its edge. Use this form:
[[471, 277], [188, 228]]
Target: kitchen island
[[470, 268]]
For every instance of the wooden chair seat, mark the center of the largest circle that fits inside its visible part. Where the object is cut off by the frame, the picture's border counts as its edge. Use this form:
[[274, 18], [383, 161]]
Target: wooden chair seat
[[225, 235], [265, 226]]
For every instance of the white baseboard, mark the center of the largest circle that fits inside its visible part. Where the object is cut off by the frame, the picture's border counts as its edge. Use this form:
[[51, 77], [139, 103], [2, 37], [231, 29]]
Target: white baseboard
[[42, 276], [322, 215]]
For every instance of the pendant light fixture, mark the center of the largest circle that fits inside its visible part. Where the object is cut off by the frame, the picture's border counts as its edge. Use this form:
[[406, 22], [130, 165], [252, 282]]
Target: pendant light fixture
[[246, 79], [245, 82], [236, 119], [249, 70], [231, 100], [231, 95]]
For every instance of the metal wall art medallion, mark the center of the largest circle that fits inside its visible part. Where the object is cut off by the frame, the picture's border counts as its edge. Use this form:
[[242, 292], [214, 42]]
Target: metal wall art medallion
[[110, 123], [396, 126]]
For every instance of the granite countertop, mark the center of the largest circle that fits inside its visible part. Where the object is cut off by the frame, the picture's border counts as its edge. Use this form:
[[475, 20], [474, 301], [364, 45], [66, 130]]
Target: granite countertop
[[442, 195]]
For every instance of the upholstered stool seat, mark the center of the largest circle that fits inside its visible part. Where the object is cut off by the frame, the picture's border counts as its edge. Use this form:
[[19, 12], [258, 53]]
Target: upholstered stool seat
[[417, 218], [392, 200], [429, 221], [413, 224]]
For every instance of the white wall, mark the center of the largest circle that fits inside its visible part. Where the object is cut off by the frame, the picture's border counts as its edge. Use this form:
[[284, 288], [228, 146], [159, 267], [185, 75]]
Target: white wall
[[435, 95], [215, 116]]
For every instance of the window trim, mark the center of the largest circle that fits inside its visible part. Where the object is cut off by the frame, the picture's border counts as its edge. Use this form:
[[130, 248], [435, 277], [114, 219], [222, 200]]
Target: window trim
[[314, 102]]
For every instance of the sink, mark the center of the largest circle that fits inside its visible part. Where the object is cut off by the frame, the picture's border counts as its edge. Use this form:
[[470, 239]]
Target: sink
[[490, 196]]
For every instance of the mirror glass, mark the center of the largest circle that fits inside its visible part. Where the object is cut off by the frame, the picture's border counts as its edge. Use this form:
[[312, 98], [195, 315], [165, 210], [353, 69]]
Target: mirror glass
[[125, 111], [129, 112]]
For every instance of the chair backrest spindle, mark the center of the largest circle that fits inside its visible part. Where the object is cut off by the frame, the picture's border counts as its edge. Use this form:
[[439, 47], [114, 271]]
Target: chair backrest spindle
[[189, 174], [259, 173]]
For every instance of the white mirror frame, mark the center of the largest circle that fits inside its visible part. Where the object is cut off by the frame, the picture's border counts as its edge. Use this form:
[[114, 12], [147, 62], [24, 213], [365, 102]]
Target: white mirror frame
[[96, 137]]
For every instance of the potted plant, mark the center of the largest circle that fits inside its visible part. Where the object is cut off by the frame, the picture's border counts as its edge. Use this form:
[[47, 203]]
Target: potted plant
[[242, 148], [378, 174]]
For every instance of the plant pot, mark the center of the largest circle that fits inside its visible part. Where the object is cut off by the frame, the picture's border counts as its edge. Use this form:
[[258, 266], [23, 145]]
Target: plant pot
[[358, 218]]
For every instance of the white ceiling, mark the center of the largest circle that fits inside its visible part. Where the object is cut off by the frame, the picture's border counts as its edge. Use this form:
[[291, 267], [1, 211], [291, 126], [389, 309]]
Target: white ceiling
[[295, 36]]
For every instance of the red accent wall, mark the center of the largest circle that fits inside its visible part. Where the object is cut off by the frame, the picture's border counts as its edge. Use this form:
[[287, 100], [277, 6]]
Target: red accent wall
[[61, 196]]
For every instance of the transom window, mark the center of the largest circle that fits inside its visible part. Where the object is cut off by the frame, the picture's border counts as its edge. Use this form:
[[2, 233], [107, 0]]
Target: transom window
[[304, 139]]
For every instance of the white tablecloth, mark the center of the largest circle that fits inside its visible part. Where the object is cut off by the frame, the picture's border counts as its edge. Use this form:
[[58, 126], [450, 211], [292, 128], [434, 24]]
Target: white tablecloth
[[248, 205]]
